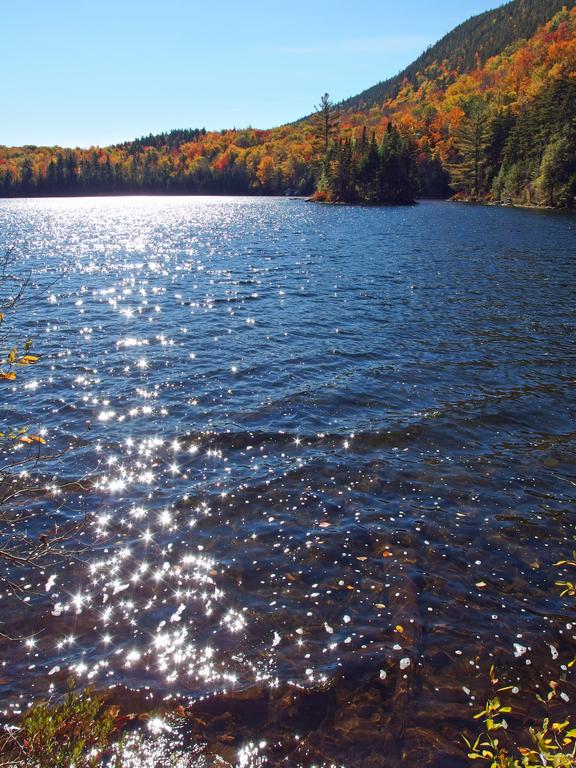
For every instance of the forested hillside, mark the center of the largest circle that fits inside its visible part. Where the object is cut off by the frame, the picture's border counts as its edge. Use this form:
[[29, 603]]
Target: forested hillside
[[477, 116], [468, 46]]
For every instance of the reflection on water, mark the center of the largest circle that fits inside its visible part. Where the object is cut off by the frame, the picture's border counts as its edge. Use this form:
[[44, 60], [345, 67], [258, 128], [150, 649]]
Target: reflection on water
[[328, 457]]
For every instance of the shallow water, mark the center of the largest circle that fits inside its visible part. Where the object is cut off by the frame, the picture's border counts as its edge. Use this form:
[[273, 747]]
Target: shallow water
[[324, 449]]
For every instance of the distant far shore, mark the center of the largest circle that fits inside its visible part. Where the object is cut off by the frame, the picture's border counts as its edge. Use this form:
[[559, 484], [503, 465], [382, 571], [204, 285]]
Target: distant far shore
[[305, 198]]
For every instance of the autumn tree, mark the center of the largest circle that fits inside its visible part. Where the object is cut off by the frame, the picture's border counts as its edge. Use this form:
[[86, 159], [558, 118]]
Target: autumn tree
[[266, 172]]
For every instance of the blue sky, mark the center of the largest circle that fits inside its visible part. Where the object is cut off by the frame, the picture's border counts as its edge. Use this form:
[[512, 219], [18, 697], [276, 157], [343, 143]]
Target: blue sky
[[79, 72]]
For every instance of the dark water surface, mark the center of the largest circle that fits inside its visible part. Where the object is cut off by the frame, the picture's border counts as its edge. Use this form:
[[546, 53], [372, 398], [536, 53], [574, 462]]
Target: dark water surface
[[329, 454]]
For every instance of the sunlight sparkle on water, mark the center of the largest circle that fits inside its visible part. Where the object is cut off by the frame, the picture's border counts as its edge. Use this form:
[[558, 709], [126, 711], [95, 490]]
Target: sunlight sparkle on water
[[266, 499]]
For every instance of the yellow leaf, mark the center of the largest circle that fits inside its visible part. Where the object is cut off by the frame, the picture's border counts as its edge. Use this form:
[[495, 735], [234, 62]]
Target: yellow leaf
[[28, 360], [10, 376], [32, 439]]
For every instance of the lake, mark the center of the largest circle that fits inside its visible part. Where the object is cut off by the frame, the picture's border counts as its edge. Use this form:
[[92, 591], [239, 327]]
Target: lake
[[327, 456]]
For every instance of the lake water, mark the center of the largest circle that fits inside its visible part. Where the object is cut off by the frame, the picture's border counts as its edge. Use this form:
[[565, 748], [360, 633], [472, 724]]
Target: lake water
[[327, 455]]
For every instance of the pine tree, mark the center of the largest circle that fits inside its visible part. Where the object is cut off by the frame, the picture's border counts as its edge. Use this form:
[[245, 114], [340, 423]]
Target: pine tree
[[471, 139], [325, 122], [398, 174], [368, 169], [342, 177]]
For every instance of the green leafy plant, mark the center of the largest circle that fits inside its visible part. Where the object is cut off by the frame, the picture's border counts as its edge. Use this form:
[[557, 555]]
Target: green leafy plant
[[73, 734]]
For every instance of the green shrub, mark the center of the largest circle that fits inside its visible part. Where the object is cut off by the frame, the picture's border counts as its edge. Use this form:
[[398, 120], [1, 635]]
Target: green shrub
[[74, 734]]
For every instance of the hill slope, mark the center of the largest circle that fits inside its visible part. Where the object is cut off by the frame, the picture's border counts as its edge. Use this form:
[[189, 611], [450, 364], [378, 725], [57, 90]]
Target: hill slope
[[467, 46]]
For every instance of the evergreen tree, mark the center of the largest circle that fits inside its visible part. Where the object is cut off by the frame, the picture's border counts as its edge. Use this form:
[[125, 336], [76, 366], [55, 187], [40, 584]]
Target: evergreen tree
[[325, 122], [368, 170], [367, 173], [398, 176], [539, 159], [468, 172], [342, 172], [557, 179]]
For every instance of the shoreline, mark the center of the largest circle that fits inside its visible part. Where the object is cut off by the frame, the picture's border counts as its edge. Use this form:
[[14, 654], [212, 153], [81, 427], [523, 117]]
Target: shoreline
[[304, 198]]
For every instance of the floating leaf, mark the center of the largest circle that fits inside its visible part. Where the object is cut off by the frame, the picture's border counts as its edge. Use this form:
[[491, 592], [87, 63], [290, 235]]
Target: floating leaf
[[10, 376], [362, 559], [28, 360], [32, 439]]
